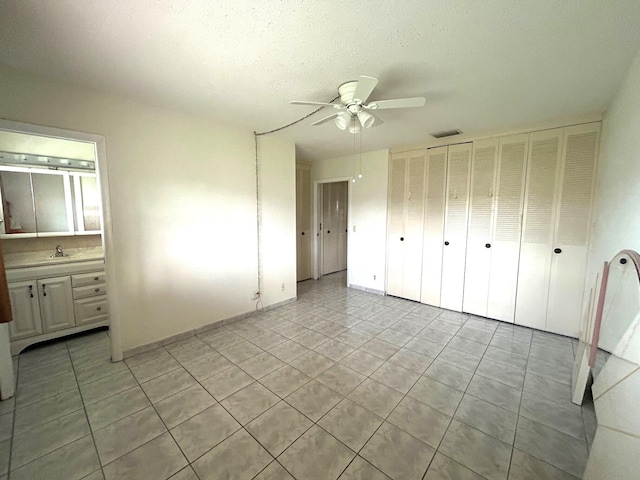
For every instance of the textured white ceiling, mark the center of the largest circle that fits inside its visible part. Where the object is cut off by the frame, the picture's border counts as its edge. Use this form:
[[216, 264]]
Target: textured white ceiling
[[482, 65]]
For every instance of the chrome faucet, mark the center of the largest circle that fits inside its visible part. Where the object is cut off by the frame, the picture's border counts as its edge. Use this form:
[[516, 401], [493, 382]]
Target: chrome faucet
[[59, 252]]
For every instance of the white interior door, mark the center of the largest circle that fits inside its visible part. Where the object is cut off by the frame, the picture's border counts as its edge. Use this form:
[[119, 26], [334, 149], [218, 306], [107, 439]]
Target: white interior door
[[573, 218], [455, 229], [435, 183], [536, 247], [341, 191], [329, 234], [507, 227], [481, 200], [412, 270], [303, 222], [395, 224]]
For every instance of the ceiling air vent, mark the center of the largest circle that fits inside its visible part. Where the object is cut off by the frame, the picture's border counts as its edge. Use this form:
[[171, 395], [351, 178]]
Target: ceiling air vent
[[446, 133]]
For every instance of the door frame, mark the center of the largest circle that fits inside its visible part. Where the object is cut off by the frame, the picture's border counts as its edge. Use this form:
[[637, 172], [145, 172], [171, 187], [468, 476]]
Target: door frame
[[107, 225], [317, 253]]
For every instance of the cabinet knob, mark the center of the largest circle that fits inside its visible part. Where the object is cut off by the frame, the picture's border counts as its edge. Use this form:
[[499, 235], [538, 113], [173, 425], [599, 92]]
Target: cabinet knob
[[95, 279], [487, 245], [402, 239], [557, 250], [96, 290], [446, 243]]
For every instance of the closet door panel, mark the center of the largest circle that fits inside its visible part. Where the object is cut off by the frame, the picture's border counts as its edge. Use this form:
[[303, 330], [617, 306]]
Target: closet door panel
[[395, 228], [435, 186], [341, 223], [303, 222], [412, 271], [455, 230], [329, 239], [481, 199], [507, 227], [573, 219], [536, 246]]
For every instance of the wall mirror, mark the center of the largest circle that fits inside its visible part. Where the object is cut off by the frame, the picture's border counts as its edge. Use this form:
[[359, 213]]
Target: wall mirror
[[48, 187]]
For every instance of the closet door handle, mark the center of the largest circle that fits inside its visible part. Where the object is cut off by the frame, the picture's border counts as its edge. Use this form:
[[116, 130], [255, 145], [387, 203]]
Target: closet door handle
[[44, 292], [557, 250], [302, 233], [31, 291], [446, 243], [328, 231], [487, 245]]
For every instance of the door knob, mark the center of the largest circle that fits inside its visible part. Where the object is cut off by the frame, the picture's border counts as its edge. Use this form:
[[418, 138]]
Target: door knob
[[402, 239], [328, 231], [302, 233], [446, 243], [487, 245], [557, 250]]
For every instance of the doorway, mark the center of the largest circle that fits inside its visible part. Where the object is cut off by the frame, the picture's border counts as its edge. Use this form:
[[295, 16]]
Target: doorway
[[333, 226]]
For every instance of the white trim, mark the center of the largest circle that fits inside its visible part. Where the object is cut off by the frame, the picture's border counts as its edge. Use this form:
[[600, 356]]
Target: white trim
[[102, 174]]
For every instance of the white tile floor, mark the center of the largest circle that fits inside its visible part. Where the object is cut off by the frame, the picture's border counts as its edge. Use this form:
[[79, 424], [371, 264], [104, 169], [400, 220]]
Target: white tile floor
[[342, 384]]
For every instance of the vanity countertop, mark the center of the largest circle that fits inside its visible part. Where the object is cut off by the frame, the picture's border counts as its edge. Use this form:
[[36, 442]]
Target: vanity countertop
[[43, 257]]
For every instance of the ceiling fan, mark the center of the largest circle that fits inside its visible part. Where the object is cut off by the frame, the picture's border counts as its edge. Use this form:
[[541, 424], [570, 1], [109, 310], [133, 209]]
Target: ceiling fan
[[353, 111]]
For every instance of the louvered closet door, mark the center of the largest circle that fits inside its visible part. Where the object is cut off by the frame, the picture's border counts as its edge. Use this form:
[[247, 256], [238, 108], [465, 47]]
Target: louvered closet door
[[455, 229], [436, 176], [303, 221], [329, 239], [536, 247], [341, 190], [507, 227], [481, 199], [395, 226], [568, 268], [412, 271]]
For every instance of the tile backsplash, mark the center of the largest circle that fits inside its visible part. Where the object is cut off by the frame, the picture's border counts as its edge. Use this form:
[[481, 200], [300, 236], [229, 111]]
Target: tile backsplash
[[19, 245]]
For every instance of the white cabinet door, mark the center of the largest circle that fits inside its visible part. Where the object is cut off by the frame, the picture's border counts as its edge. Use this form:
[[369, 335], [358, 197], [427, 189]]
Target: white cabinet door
[[481, 200], [536, 247], [455, 229], [435, 185], [25, 309], [507, 227], [395, 224], [56, 303], [573, 219]]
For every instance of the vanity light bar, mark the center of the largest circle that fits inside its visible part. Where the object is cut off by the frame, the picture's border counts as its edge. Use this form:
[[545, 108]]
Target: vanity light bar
[[13, 158]]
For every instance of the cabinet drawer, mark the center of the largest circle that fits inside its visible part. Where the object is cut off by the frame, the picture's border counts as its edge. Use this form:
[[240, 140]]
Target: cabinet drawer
[[91, 278], [92, 309], [90, 290]]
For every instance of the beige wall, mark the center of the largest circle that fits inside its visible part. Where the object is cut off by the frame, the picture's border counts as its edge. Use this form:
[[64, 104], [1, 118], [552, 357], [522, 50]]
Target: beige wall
[[366, 256], [617, 221], [182, 202]]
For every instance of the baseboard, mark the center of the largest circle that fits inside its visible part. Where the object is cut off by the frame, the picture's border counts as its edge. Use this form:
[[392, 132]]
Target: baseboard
[[205, 328], [367, 289]]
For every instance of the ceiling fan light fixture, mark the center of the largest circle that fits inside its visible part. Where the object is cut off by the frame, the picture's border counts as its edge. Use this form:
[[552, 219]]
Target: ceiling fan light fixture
[[354, 126], [366, 119], [342, 121]]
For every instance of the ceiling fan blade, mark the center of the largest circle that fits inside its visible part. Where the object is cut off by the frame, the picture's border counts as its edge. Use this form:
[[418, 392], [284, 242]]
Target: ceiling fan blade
[[296, 102], [364, 88], [397, 103], [325, 119]]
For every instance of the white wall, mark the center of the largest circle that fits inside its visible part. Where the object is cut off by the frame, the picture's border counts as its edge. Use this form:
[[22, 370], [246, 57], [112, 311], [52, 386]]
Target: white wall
[[366, 254], [182, 202], [617, 218]]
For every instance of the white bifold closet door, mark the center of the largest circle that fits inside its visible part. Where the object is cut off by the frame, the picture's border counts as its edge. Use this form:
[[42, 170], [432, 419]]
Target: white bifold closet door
[[455, 226], [405, 224], [334, 237], [435, 183], [572, 228], [493, 242], [303, 221], [536, 248], [557, 218]]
